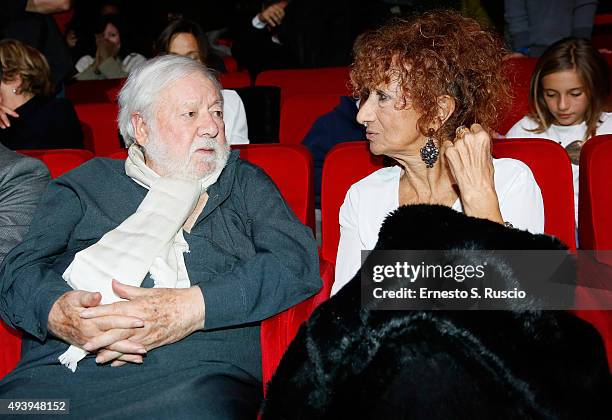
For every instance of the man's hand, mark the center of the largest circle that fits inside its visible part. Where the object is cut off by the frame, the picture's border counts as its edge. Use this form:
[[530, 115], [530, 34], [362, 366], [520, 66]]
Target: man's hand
[[169, 315], [274, 14], [469, 160], [4, 113], [66, 323]]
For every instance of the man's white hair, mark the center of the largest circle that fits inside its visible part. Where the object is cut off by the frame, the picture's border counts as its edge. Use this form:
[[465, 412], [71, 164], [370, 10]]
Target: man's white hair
[[145, 83]]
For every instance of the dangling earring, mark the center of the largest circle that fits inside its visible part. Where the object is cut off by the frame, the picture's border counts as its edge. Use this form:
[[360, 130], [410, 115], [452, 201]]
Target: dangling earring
[[429, 152]]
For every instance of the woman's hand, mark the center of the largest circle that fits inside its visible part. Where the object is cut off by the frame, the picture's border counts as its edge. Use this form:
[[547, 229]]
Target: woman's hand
[[469, 160], [4, 113], [105, 49]]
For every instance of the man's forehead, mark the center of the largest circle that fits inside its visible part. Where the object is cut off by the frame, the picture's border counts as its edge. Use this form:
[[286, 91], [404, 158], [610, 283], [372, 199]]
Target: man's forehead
[[192, 89]]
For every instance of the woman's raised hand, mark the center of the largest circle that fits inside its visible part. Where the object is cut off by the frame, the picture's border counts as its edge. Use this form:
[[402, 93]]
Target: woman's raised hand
[[469, 160], [4, 113]]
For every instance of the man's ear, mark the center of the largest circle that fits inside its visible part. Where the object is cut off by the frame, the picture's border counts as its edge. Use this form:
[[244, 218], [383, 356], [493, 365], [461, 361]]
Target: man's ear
[[141, 131], [446, 107]]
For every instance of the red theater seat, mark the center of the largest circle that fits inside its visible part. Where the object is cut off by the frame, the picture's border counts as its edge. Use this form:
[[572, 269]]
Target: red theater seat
[[518, 71], [99, 121], [88, 91], [300, 112], [60, 161], [328, 80], [552, 171]]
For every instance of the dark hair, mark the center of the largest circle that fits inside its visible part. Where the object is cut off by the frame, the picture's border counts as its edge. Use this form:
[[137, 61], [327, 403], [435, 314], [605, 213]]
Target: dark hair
[[182, 26], [118, 22], [571, 54], [434, 54], [19, 59]]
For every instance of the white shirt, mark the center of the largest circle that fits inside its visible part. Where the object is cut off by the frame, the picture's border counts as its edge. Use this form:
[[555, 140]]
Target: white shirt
[[369, 201], [564, 135], [234, 117], [129, 63]]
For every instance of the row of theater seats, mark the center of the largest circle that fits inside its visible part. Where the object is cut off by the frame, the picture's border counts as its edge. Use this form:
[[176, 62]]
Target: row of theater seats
[[290, 166], [305, 94]]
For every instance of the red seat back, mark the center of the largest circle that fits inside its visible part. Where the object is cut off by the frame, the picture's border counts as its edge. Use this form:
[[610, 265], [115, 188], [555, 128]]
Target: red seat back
[[88, 91], [595, 212], [299, 112], [552, 171], [328, 80], [290, 167], [60, 161], [100, 131], [10, 348], [345, 164]]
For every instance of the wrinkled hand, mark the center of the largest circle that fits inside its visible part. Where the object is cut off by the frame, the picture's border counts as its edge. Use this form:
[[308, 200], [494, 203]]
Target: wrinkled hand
[[274, 14], [66, 323], [469, 160], [4, 113], [169, 315]]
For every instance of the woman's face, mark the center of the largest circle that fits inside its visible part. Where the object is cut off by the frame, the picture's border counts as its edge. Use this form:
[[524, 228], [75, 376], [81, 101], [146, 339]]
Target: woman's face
[[565, 97], [8, 98], [111, 34], [185, 44], [389, 130]]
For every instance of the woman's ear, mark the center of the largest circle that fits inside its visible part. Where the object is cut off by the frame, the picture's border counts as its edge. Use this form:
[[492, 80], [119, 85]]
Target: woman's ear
[[446, 107], [14, 84], [141, 131]]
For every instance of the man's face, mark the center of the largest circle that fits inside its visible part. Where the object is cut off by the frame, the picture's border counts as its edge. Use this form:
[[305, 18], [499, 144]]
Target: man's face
[[188, 134]]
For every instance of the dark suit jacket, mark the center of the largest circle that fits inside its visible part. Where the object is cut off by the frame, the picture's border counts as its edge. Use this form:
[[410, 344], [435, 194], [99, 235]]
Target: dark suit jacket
[[22, 181]]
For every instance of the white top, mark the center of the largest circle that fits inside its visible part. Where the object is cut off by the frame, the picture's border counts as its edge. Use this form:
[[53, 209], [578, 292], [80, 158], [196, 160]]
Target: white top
[[128, 64], [370, 200], [564, 135], [234, 116]]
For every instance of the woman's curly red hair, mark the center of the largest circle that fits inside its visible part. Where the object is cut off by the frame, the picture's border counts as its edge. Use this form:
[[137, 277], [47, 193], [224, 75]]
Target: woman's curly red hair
[[434, 54]]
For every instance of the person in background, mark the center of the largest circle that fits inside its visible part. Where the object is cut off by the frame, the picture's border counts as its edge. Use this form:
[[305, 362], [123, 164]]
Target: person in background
[[112, 60], [569, 89], [30, 116], [418, 98], [533, 25], [184, 37]]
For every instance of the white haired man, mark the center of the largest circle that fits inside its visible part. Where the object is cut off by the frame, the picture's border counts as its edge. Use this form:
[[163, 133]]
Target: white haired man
[[206, 236]]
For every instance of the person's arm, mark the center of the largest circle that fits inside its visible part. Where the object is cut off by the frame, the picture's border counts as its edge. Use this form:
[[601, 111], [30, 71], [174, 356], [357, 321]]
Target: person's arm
[[20, 191], [517, 23], [48, 6], [348, 259], [584, 16]]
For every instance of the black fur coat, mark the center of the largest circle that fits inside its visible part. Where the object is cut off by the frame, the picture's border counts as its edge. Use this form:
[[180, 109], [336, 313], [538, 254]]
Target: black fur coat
[[355, 363]]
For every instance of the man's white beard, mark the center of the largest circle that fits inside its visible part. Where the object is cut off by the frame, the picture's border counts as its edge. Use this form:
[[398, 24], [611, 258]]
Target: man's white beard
[[186, 167]]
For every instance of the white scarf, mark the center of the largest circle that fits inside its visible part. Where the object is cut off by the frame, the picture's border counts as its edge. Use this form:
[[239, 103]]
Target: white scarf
[[149, 241]]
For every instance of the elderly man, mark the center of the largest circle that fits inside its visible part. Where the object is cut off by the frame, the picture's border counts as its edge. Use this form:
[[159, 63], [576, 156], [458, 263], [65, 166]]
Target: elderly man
[[220, 246]]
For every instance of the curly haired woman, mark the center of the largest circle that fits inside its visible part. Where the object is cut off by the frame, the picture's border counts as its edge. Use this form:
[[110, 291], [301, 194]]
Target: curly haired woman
[[430, 90]]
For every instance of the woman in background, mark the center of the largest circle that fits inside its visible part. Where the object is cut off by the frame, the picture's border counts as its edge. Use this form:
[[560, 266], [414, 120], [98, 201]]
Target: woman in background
[[569, 88], [184, 37], [112, 60], [31, 117]]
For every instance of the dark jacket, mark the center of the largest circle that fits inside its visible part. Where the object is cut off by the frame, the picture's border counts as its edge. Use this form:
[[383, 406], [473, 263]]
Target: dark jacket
[[44, 123]]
